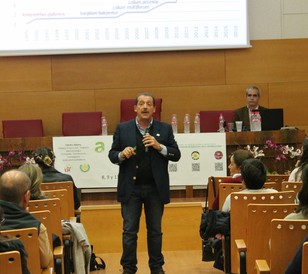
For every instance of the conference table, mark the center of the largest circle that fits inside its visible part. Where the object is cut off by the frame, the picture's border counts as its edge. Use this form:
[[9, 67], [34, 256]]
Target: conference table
[[192, 146]]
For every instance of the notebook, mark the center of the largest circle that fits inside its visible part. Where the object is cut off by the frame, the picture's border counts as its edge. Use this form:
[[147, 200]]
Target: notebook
[[271, 119]]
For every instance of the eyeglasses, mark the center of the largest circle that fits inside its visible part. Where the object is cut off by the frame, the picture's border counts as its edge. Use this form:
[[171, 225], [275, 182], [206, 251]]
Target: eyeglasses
[[252, 95]]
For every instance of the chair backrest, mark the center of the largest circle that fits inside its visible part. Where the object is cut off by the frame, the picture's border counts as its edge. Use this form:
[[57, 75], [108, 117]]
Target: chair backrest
[[259, 218], [213, 188], [278, 178], [304, 258], [22, 128], [29, 237], [10, 262], [286, 237], [69, 186], [45, 217], [52, 205], [238, 216], [62, 194], [209, 119], [82, 123], [226, 188], [127, 109], [295, 186]]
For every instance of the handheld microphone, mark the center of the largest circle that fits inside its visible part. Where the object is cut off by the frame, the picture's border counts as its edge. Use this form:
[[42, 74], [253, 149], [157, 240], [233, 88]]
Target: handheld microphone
[[146, 149]]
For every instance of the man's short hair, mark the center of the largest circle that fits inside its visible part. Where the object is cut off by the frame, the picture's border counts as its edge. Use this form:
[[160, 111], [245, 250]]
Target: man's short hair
[[253, 173], [144, 94], [253, 88], [13, 186]]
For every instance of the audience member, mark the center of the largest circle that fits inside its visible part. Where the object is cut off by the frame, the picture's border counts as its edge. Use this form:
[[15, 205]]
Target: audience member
[[295, 266], [8, 243], [253, 174], [45, 158], [302, 210], [34, 172], [296, 173], [236, 161], [253, 95], [14, 199]]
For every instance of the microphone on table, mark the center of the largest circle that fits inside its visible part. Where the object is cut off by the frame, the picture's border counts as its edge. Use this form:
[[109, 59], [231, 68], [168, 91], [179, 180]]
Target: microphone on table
[[146, 149]]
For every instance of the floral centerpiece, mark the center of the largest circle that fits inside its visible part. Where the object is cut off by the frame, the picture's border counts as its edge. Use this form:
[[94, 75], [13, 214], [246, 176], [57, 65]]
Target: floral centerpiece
[[11, 160], [284, 155]]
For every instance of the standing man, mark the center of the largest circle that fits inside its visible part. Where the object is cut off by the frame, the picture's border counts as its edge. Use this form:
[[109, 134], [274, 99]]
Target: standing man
[[142, 148], [242, 114]]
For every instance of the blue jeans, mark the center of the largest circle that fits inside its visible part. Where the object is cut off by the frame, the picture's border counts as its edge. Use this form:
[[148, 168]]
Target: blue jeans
[[146, 195]]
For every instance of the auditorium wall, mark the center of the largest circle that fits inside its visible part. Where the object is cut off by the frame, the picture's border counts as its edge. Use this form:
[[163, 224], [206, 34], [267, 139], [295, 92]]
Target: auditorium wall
[[188, 81]]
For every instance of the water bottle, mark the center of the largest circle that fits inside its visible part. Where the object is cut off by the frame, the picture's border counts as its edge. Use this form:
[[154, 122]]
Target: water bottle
[[104, 126], [186, 124], [197, 123], [221, 127], [258, 121], [174, 123]]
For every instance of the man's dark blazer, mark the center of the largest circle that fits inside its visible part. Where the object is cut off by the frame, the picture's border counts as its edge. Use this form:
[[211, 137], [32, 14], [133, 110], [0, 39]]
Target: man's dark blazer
[[124, 136], [242, 114]]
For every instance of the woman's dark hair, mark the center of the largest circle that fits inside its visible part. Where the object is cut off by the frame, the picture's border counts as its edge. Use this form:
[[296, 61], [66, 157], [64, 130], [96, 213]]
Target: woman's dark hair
[[253, 173], [303, 193], [240, 155], [303, 160], [44, 157]]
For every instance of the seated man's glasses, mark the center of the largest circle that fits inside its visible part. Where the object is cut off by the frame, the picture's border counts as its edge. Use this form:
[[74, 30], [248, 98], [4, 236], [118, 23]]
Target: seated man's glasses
[[252, 95]]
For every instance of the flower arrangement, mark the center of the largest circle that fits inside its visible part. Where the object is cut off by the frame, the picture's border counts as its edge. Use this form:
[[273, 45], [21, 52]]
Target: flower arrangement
[[280, 153], [8, 161]]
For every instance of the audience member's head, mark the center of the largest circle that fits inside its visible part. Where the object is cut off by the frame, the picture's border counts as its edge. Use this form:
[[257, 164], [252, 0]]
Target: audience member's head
[[35, 174], [44, 157], [15, 187], [303, 193], [253, 96], [237, 159], [253, 173]]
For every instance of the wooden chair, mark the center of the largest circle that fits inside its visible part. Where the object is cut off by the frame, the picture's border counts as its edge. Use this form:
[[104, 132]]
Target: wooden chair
[[47, 218], [62, 194], [69, 186], [54, 206], [259, 217], [227, 188], [295, 186], [286, 237], [278, 178], [305, 258], [212, 189], [10, 262], [29, 236], [238, 216]]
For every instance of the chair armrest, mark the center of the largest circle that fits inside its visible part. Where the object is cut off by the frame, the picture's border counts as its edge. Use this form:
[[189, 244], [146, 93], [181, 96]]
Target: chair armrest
[[48, 270], [73, 219], [241, 245], [241, 255], [262, 267], [58, 252]]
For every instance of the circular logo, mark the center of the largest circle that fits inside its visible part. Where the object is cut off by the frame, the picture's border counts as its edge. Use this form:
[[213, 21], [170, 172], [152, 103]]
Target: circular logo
[[84, 167], [218, 155], [195, 155]]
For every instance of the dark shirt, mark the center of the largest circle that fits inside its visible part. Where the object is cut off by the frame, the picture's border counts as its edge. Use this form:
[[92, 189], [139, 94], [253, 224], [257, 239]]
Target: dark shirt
[[51, 175], [11, 244]]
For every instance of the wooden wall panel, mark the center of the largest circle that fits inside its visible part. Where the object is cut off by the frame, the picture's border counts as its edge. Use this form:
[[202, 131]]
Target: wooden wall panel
[[25, 73], [268, 61], [136, 70]]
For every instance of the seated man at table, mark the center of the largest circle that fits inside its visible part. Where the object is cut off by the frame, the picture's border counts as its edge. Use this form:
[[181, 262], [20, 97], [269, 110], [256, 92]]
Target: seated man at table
[[14, 200], [254, 177], [253, 95]]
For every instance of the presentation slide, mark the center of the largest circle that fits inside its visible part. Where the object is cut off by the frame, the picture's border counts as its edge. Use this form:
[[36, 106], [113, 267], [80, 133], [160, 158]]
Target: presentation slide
[[30, 27]]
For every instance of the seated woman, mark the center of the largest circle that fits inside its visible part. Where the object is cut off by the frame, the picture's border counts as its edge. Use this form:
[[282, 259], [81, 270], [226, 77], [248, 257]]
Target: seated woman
[[295, 175], [45, 158], [236, 161], [8, 243], [34, 172], [253, 176], [302, 210]]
